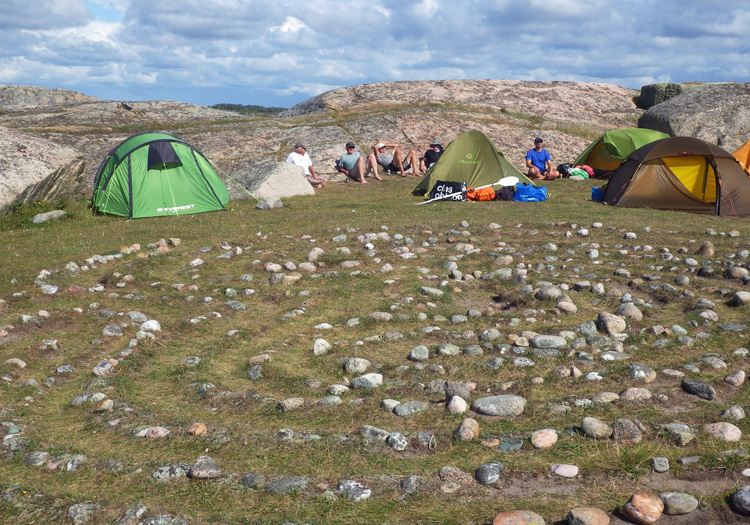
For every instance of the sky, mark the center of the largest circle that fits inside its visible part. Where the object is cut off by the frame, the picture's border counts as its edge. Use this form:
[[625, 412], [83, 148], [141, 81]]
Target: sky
[[282, 52]]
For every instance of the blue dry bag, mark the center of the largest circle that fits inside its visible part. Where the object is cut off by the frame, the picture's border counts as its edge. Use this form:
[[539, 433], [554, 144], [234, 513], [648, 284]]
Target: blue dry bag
[[597, 194], [530, 193]]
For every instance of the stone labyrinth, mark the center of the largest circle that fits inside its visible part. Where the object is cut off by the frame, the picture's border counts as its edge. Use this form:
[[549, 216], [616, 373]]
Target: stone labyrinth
[[517, 348]]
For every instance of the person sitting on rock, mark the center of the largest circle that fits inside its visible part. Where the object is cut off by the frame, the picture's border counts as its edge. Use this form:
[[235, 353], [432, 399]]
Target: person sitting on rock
[[431, 156], [539, 162], [392, 161], [299, 157], [352, 165]]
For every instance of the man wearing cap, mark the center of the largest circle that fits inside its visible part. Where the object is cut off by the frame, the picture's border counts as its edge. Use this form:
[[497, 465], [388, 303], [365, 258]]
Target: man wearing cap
[[539, 162], [352, 165], [391, 161], [299, 157], [431, 156]]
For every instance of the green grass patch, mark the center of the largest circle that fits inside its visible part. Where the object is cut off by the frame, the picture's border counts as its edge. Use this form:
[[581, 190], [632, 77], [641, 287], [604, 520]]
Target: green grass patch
[[244, 419]]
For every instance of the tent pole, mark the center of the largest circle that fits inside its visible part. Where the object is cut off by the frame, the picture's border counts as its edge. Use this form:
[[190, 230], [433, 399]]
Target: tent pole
[[230, 178]]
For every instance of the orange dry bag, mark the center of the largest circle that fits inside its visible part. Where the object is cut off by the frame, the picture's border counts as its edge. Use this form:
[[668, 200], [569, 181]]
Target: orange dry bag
[[480, 194]]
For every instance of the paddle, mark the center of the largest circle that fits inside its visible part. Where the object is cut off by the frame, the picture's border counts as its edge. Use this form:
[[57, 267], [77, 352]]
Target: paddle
[[505, 181]]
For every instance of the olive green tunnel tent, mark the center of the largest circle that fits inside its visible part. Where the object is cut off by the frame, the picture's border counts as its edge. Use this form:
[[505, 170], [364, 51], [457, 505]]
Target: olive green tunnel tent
[[606, 153], [154, 174], [681, 174], [470, 158]]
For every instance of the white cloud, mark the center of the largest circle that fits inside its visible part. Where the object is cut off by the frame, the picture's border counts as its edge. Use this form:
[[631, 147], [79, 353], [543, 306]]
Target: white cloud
[[95, 31], [42, 14], [281, 51], [427, 8], [309, 90], [291, 25]]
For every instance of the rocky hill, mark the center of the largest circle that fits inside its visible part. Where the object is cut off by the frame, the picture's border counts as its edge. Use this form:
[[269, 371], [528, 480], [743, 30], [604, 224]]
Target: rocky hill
[[26, 96], [33, 169], [511, 113]]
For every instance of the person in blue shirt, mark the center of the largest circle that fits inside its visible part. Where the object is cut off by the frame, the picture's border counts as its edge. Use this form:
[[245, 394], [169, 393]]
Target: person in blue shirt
[[539, 162]]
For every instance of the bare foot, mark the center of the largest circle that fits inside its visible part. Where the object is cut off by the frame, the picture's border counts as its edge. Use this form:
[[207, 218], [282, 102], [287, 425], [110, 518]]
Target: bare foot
[[363, 181], [378, 178]]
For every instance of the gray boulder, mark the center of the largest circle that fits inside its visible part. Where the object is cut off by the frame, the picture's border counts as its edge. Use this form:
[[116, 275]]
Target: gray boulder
[[204, 467], [270, 203], [287, 485], [716, 113], [373, 434], [680, 433], [370, 380], [548, 342], [489, 473], [699, 388], [82, 512], [678, 502], [410, 408], [253, 480], [272, 179], [741, 500], [49, 216], [353, 490], [502, 405], [171, 471], [133, 515], [653, 94], [596, 428]]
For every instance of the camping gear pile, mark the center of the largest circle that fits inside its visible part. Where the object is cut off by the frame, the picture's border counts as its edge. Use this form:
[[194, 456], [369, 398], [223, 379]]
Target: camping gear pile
[[458, 191], [154, 174], [575, 172]]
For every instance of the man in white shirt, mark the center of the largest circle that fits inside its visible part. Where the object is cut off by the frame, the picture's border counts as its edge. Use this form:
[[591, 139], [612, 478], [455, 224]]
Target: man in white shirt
[[299, 157]]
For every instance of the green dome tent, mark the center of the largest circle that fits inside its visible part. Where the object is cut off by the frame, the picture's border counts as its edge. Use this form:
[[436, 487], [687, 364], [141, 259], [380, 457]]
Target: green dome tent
[[472, 159], [153, 174], [607, 152]]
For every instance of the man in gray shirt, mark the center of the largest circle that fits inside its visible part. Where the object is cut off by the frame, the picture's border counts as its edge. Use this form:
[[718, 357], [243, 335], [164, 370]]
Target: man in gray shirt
[[392, 161]]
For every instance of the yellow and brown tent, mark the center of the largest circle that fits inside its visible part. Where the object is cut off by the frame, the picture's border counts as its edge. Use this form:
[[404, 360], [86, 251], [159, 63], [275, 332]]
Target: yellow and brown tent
[[681, 174]]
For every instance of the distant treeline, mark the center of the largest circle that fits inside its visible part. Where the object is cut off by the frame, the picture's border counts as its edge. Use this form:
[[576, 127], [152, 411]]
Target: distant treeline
[[248, 110]]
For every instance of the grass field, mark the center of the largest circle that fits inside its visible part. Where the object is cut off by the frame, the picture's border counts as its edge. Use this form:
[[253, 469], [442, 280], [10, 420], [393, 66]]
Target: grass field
[[155, 385]]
